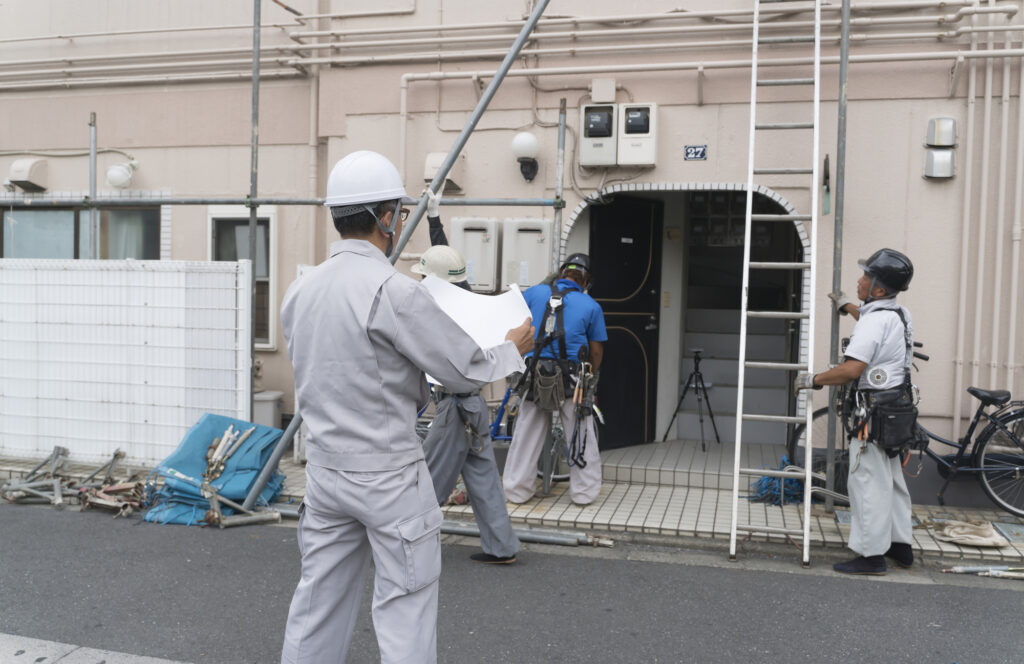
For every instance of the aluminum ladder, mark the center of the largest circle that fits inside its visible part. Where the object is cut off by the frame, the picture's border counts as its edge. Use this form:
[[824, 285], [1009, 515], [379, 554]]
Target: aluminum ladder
[[796, 131]]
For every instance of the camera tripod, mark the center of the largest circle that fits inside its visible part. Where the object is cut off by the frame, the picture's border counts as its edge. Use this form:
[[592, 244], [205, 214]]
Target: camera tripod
[[696, 381]]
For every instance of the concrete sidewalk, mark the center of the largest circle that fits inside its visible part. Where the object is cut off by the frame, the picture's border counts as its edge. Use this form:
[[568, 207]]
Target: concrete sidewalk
[[673, 493]]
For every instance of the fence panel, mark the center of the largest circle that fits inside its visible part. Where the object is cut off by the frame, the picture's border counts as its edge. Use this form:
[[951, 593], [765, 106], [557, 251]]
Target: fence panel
[[97, 356]]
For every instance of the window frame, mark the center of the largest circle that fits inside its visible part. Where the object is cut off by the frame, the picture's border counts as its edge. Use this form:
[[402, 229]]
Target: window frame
[[78, 219], [241, 213]]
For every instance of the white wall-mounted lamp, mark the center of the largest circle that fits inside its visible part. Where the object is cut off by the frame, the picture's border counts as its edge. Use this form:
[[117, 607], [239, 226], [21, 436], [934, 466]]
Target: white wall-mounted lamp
[[120, 175], [525, 148]]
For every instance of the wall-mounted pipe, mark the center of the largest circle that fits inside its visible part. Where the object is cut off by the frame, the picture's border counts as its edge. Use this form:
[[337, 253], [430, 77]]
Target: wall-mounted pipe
[[67, 83], [997, 285], [982, 222], [965, 237], [1015, 244], [94, 235]]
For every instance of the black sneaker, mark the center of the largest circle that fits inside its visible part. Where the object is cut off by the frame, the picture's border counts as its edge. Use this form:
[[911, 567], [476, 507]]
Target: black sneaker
[[492, 560], [902, 554], [873, 565]]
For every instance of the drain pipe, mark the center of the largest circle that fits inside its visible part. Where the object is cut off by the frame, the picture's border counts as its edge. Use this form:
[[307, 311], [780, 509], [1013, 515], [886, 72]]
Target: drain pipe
[[1018, 209], [481, 106], [965, 237], [997, 286], [980, 264], [94, 240], [556, 240]]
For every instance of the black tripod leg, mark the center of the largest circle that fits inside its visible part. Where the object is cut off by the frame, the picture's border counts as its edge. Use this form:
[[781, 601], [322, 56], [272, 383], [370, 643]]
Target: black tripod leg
[[700, 418], [679, 405], [700, 384]]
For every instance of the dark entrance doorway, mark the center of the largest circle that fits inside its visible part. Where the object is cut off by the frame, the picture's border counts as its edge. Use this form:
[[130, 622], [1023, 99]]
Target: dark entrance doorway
[[625, 251]]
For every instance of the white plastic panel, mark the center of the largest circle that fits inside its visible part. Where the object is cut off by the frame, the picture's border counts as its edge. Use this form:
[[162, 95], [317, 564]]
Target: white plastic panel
[[638, 134], [525, 251], [478, 240], [97, 356]]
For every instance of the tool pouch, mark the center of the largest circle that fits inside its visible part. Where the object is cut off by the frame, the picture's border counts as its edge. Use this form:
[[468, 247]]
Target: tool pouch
[[548, 386], [894, 420]]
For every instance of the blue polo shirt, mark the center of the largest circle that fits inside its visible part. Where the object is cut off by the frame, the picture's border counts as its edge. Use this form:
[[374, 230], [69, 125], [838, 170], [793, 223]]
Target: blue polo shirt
[[581, 316]]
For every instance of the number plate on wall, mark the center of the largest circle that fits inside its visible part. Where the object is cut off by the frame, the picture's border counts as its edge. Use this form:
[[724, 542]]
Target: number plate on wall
[[695, 153]]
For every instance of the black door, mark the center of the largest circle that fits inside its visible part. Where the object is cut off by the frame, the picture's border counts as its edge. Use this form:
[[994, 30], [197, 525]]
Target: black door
[[625, 252]]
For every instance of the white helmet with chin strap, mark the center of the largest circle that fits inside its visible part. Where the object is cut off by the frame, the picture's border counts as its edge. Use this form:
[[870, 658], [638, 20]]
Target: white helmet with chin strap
[[443, 262], [362, 178]]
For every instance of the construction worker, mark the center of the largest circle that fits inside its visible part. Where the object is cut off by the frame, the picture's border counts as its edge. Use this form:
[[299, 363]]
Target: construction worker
[[576, 334], [355, 333], [878, 357], [459, 440]]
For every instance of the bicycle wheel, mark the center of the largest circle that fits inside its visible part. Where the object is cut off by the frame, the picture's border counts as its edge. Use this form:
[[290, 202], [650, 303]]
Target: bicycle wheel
[[819, 432], [1000, 457]]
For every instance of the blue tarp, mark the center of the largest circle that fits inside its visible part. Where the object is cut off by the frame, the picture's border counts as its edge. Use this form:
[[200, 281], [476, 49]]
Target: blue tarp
[[180, 499]]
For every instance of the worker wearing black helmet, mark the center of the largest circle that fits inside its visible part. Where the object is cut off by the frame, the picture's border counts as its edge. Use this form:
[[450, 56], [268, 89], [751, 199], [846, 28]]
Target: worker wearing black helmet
[[878, 357], [569, 344]]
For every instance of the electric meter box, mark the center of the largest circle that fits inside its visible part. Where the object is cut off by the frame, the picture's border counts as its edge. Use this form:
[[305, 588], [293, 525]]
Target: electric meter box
[[525, 251], [478, 239], [598, 134], [638, 134]]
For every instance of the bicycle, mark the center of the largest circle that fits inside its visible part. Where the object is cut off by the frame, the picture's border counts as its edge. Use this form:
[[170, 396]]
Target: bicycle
[[995, 456]]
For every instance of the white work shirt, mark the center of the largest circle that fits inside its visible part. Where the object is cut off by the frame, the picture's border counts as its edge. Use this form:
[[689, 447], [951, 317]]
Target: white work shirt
[[878, 341], [360, 335]]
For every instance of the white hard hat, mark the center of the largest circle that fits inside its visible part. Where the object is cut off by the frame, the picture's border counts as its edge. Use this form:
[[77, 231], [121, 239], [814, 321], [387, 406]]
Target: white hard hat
[[443, 262], [364, 177]]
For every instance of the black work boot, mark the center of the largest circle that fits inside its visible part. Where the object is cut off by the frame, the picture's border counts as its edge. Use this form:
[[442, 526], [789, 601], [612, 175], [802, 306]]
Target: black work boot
[[902, 554], [873, 565]]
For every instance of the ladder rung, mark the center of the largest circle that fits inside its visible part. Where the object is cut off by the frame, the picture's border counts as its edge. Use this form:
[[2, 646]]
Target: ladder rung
[[786, 81], [782, 419], [780, 217], [781, 366], [760, 265], [785, 125], [787, 315], [752, 528], [786, 40], [783, 171], [793, 474]]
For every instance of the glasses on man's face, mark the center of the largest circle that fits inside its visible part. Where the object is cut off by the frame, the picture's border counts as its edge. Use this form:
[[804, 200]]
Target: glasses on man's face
[[403, 214]]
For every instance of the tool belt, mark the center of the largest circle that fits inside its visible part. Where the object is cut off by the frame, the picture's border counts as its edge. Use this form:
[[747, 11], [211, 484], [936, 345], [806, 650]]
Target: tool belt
[[892, 418], [548, 382], [441, 393]]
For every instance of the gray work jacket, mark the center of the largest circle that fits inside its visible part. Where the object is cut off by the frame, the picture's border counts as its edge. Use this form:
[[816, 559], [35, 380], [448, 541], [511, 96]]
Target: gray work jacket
[[360, 335]]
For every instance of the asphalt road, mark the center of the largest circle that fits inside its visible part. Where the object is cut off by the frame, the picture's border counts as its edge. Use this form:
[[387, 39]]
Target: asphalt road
[[204, 595]]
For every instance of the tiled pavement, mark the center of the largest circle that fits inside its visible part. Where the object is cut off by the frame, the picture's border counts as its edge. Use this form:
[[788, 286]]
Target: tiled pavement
[[675, 493]]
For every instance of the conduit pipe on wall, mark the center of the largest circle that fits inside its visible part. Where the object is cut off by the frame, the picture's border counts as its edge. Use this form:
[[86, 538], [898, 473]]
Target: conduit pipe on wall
[[965, 237], [997, 286], [1018, 212], [980, 264], [150, 80], [410, 77], [634, 18]]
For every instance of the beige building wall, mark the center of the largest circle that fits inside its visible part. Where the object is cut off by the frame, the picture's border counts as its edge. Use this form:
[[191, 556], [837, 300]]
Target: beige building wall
[[169, 83]]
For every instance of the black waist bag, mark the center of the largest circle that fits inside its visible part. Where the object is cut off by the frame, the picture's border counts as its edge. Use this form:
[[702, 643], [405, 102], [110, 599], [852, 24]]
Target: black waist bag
[[894, 421]]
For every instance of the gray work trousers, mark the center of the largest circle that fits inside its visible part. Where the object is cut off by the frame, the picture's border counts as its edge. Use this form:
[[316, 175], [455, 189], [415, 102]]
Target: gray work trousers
[[345, 518], [450, 451], [880, 509], [532, 428]]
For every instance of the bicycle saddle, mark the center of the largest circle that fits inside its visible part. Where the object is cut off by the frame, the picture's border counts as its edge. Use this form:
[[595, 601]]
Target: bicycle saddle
[[989, 397]]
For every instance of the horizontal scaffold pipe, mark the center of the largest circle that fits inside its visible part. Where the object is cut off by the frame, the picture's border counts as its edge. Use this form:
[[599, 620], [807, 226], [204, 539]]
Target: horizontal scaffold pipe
[[85, 202]]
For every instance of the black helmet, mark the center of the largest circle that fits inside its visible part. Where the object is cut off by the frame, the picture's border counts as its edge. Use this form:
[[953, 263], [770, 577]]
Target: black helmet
[[577, 261], [889, 268]]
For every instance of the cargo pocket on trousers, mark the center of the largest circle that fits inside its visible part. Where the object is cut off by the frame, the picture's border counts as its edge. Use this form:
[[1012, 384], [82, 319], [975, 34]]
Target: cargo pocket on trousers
[[302, 517], [421, 540]]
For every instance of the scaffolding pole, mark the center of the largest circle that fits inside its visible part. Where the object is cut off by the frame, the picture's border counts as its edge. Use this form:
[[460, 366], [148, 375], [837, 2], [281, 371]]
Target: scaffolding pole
[[460, 142], [253, 206]]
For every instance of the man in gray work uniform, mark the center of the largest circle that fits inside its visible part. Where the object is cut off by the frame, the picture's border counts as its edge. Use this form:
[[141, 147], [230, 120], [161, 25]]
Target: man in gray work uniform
[[878, 357], [459, 439], [354, 328]]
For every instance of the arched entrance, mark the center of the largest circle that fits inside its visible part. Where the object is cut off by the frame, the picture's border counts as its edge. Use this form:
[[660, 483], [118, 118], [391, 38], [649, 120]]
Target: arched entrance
[[668, 273]]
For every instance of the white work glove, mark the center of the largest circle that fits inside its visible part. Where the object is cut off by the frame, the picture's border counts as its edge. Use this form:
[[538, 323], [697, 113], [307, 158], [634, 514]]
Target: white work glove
[[433, 203], [840, 301], [805, 381]]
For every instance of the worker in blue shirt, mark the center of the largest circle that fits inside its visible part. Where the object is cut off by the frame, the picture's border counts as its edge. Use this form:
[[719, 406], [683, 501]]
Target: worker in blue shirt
[[569, 343]]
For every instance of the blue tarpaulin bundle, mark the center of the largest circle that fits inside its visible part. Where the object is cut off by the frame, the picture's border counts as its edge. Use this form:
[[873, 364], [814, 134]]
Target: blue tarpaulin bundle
[[180, 499], [772, 490]]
